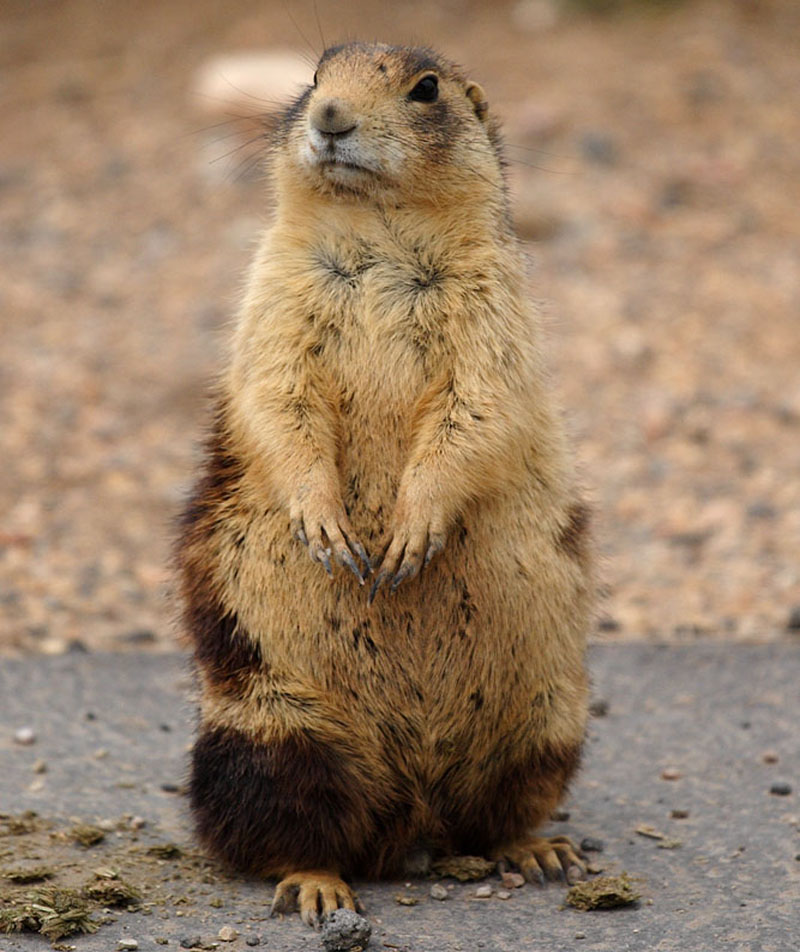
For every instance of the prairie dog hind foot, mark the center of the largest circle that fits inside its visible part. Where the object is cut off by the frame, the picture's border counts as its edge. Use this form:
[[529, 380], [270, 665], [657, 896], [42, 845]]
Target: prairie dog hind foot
[[540, 858], [315, 894]]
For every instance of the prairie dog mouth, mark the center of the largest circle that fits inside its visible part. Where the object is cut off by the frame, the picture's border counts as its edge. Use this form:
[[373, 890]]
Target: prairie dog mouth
[[340, 164], [334, 162]]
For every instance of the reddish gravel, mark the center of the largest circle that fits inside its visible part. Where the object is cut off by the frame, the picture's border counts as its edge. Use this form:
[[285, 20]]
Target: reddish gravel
[[656, 163]]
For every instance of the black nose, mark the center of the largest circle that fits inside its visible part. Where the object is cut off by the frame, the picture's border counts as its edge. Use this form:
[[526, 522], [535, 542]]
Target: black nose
[[333, 117]]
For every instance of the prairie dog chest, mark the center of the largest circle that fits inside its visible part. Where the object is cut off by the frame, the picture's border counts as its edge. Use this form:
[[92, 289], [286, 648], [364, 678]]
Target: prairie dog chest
[[380, 309]]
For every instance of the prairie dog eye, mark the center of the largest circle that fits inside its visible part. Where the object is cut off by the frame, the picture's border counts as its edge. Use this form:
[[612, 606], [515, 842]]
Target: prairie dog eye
[[426, 90], [314, 81]]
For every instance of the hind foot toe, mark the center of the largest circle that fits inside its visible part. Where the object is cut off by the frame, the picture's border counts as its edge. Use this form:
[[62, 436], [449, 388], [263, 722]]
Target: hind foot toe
[[539, 858], [315, 893]]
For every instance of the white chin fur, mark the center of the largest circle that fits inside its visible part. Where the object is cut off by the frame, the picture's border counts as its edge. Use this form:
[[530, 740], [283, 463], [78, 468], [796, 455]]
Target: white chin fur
[[346, 161]]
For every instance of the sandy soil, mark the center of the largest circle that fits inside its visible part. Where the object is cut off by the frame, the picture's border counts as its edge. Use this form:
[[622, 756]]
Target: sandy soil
[[656, 170]]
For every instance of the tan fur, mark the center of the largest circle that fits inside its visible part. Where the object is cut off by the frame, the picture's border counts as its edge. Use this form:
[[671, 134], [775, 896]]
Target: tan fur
[[386, 384]]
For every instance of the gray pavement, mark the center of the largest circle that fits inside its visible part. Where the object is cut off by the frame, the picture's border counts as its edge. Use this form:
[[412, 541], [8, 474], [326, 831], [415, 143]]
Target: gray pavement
[[114, 730]]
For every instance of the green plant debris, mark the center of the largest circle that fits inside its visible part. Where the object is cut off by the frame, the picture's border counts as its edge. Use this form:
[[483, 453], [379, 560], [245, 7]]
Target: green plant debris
[[405, 899], [165, 851], [112, 892], [53, 912], [668, 844], [33, 874], [605, 892], [20, 824], [464, 868], [86, 835]]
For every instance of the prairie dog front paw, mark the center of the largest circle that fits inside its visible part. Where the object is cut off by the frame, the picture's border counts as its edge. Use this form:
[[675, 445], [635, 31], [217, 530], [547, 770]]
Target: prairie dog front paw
[[318, 520]]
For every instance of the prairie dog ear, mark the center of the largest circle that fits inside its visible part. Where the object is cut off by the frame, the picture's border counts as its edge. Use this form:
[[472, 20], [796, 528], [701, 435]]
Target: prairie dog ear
[[477, 97]]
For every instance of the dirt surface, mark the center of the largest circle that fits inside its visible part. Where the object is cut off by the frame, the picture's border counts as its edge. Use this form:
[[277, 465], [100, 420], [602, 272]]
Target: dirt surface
[[655, 165]]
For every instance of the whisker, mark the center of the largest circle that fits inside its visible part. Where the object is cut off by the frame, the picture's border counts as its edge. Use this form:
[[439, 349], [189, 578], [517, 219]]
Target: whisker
[[530, 148], [238, 148], [319, 26], [303, 37], [245, 167], [540, 168]]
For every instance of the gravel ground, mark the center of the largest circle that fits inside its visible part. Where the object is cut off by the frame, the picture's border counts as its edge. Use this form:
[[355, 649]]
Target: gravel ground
[[656, 169]]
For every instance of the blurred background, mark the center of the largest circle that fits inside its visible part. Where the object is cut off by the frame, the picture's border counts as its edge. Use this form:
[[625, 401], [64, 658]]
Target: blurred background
[[654, 162]]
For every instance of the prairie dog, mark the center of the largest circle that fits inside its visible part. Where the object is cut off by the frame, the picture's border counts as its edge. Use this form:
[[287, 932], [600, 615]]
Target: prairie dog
[[419, 679]]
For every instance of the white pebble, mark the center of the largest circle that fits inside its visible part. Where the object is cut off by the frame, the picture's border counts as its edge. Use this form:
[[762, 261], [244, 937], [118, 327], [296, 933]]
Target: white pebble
[[127, 944], [503, 894], [227, 933], [25, 736], [483, 892], [438, 891]]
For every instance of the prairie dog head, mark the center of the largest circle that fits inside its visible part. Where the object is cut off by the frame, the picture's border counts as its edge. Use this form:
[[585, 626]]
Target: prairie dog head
[[390, 123]]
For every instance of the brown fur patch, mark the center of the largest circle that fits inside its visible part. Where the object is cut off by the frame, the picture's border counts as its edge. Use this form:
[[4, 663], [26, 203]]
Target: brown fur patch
[[225, 653], [293, 804], [222, 474], [511, 802], [574, 537]]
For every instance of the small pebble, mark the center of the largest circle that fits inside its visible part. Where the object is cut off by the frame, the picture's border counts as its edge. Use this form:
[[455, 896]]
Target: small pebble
[[512, 880], [793, 624], [599, 708], [770, 757], [345, 930], [679, 814], [590, 844], [252, 940], [580, 935], [574, 875], [39, 766], [438, 891], [138, 822], [671, 773], [227, 933], [608, 624], [503, 894], [599, 148], [559, 816], [190, 942], [25, 736], [170, 788], [483, 892], [780, 788], [127, 944]]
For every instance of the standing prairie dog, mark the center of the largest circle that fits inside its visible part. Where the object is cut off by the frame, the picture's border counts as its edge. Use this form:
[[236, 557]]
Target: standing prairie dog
[[385, 412]]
